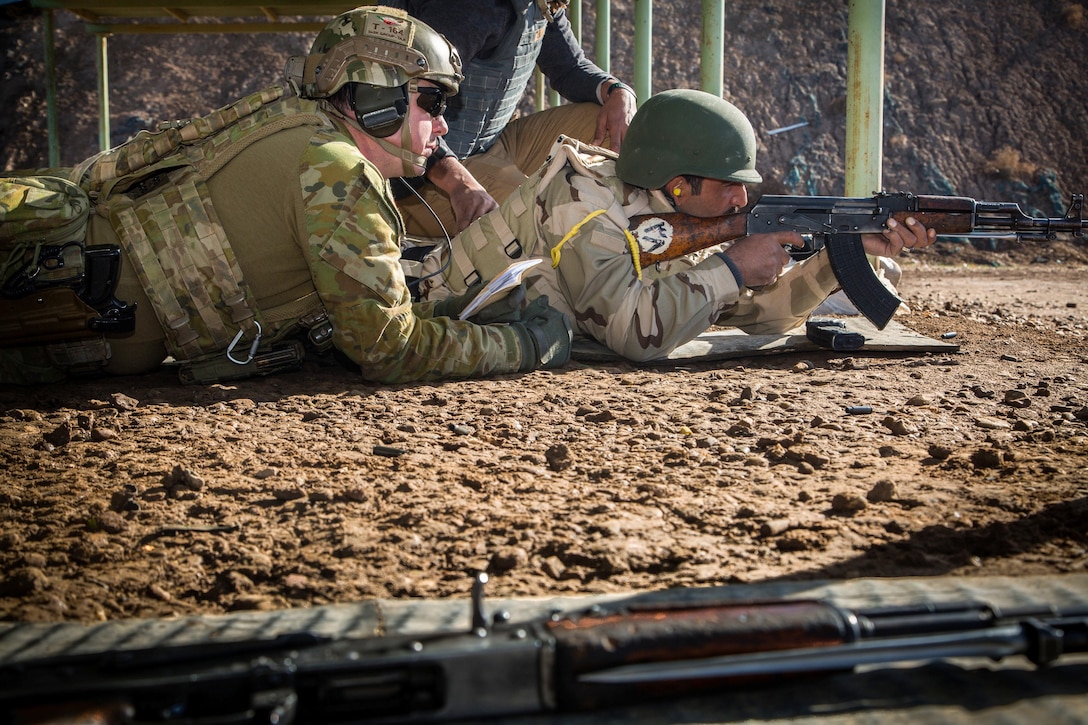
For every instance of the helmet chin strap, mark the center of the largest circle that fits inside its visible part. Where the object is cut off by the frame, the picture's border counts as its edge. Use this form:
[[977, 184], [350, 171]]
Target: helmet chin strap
[[409, 161]]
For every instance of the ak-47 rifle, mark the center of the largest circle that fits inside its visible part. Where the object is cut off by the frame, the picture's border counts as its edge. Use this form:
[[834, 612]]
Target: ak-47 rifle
[[560, 663], [836, 223]]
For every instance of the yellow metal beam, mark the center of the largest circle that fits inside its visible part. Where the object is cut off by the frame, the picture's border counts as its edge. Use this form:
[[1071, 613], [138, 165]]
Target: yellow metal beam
[[189, 28]]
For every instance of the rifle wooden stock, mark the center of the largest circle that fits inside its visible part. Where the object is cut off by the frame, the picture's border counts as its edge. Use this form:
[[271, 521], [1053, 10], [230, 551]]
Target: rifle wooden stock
[[683, 234], [595, 643]]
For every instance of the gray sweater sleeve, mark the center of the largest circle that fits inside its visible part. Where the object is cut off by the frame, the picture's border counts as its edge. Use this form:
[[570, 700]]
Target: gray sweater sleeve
[[565, 65]]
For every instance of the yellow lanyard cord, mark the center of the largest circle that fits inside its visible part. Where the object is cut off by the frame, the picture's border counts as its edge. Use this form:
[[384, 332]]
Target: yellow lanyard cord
[[630, 242]]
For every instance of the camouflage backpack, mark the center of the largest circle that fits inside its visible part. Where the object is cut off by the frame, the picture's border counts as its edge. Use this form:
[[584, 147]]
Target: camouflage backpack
[[43, 220], [155, 184], [150, 187], [55, 290]]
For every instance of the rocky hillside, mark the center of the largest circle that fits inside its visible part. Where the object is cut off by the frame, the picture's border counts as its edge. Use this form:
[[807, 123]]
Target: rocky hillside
[[983, 99]]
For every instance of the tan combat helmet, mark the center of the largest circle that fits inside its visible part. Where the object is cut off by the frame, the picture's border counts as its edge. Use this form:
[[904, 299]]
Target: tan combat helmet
[[379, 46], [691, 132], [385, 53]]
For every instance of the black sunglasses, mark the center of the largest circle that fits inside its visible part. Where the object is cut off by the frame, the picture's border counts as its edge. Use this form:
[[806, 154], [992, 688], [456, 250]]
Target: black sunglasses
[[432, 100]]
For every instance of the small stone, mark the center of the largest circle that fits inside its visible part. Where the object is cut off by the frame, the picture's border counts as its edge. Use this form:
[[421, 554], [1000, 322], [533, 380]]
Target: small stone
[[124, 402], [986, 458], [848, 503], [357, 494], [101, 434], [111, 522], [59, 436], [508, 559], [939, 452], [24, 581], [882, 491], [1017, 399], [288, 493], [553, 567], [987, 423], [558, 457], [898, 426], [182, 478]]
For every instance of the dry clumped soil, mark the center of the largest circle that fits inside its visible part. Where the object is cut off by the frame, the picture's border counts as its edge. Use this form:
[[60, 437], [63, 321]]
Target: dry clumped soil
[[140, 497]]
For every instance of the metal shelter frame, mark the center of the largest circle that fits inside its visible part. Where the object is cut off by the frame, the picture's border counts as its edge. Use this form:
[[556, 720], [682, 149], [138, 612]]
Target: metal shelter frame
[[865, 55]]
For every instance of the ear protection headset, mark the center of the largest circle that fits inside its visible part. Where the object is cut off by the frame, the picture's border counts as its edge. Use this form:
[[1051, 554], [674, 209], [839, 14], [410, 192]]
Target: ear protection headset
[[379, 110]]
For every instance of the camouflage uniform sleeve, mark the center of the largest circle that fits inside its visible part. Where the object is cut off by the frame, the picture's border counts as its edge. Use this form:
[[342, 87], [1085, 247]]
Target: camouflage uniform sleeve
[[352, 247], [785, 304], [639, 319]]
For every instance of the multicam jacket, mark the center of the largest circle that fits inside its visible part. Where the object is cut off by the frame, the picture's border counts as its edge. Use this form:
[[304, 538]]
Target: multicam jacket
[[352, 247], [573, 214], [297, 217]]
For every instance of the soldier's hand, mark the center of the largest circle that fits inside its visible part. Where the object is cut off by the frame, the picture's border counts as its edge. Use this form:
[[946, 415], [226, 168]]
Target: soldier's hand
[[614, 118], [468, 198], [898, 237], [511, 308], [760, 258], [545, 339], [453, 305], [469, 204]]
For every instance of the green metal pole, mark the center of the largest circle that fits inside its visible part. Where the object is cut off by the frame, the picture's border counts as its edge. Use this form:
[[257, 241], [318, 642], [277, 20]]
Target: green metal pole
[[574, 15], [713, 50], [538, 85], [103, 93], [604, 35], [50, 88], [864, 97], [644, 42]]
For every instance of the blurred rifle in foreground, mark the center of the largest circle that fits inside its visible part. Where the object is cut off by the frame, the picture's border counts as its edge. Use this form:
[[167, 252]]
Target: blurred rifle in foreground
[[837, 223], [563, 662]]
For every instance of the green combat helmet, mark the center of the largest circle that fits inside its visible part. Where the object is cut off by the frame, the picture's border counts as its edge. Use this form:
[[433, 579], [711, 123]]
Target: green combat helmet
[[689, 132]]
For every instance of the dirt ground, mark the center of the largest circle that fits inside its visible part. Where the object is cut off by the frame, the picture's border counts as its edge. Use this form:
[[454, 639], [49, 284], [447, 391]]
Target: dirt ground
[[140, 497]]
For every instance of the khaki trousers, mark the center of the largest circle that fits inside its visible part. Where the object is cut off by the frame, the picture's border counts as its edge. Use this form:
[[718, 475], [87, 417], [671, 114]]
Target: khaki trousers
[[518, 152]]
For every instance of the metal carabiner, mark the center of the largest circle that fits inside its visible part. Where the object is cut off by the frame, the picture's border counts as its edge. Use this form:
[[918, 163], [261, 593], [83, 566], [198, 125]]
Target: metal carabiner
[[252, 348]]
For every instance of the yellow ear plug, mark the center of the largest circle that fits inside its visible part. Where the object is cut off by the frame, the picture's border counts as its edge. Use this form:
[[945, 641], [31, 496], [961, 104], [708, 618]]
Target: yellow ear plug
[[676, 191]]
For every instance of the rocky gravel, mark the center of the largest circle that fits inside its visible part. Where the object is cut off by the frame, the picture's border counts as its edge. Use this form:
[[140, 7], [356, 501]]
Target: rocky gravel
[[139, 497]]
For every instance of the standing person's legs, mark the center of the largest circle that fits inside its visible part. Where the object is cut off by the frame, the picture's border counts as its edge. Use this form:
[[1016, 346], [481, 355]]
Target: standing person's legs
[[518, 152], [529, 139]]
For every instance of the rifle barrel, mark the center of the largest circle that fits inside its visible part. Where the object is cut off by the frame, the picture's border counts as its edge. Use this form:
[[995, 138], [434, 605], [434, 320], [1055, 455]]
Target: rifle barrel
[[995, 643]]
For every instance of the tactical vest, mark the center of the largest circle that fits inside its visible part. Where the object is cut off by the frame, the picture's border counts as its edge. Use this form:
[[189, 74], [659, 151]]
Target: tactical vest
[[493, 87], [507, 234], [153, 190]]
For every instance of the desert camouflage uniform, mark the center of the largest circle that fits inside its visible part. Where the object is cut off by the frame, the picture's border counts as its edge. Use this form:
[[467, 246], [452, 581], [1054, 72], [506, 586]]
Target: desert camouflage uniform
[[308, 215], [591, 276]]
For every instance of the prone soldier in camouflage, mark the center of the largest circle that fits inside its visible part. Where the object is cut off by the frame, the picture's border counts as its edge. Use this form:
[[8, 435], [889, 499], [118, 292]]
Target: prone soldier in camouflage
[[272, 220], [685, 151]]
